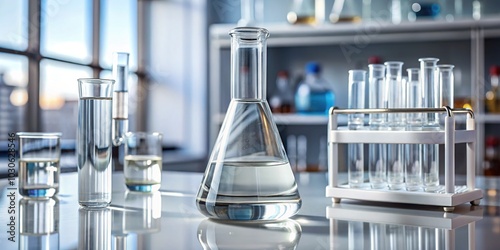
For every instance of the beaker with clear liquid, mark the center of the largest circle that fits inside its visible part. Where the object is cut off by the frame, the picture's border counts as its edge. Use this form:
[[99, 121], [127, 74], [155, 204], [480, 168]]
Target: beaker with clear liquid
[[93, 147], [248, 176]]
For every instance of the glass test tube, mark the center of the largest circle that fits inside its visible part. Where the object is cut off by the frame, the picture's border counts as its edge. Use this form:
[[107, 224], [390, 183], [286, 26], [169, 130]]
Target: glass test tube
[[377, 168], [413, 173], [355, 122], [446, 84], [395, 96], [430, 99], [120, 97]]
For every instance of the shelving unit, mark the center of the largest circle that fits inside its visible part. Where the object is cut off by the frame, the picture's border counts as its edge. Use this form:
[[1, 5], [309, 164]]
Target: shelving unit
[[448, 195], [341, 47]]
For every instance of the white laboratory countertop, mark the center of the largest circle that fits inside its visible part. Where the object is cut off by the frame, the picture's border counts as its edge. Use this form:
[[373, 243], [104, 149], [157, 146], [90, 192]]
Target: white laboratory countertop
[[170, 220]]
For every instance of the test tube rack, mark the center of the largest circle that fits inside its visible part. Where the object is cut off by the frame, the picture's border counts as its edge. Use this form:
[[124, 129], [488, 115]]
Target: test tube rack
[[448, 195]]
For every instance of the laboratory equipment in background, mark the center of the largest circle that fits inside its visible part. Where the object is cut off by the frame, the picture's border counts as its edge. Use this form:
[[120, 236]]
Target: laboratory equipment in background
[[314, 95], [355, 152], [307, 12], [491, 164], [282, 100], [345, 11], [94, 142], [248, 176], [493, 95]]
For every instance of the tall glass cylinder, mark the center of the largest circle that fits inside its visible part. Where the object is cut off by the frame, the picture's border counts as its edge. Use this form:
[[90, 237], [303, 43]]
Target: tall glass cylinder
[[413, 173], [356, 100], [248, 176], [94, 142], [395, 96], [430, 99], [377, 168]]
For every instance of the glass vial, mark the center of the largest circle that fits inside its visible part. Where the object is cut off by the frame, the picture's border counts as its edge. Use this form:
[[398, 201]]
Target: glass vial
[[94, 144], [413, 173], [395, 95], [356, 100], [248, 176], [377, 168], [430, 99]]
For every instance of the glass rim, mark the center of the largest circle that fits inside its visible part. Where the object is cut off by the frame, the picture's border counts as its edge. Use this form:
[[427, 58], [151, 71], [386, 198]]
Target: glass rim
[[96, 81], [254, 32], [428, 59], [445, 66], [393, 63], [56, 135]]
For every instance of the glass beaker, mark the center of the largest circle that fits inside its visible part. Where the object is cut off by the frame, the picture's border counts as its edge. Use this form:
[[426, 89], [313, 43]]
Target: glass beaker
[[355, 153], [430, 99], [248, 176], [377, 167], [94, 142], [395, 97]]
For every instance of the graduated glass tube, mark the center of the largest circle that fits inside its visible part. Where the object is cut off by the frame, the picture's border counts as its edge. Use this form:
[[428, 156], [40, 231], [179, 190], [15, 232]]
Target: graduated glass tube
[[430, 99], [413, 173], [355, 122], [377, 168], [94, 144], [120, 97], [248, 176], [395, 95]]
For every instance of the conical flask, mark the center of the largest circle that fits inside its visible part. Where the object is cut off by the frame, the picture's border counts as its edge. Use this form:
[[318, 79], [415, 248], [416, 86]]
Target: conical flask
[[248, 176]]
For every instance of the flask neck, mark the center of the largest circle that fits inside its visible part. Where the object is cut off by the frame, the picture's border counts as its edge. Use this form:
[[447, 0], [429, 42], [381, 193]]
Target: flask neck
[[248, 63]]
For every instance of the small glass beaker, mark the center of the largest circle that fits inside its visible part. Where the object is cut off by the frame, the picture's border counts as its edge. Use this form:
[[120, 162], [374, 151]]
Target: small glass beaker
[[248, 176], [94, 142], [39, 159], [39, 223], [143, 161], [94, 228]]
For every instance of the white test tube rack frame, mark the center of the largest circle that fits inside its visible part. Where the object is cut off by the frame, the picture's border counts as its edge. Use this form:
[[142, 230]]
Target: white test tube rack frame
[[448, 195]]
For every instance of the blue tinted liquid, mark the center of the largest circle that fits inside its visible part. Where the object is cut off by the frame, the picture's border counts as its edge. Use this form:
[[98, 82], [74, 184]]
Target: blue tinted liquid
[[315, 102]]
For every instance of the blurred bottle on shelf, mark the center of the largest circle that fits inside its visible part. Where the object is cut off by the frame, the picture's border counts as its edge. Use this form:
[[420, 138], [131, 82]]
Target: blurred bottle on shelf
[[345, 11], [307, 12], [491, 160], [493, 95], [314, 95], [282, 100]]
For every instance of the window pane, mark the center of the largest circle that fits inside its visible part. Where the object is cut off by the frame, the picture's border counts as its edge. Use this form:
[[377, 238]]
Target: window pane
[[13, 24], [132, 97], [59, 96], [118, 31], [66, 29], [13, 94]]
